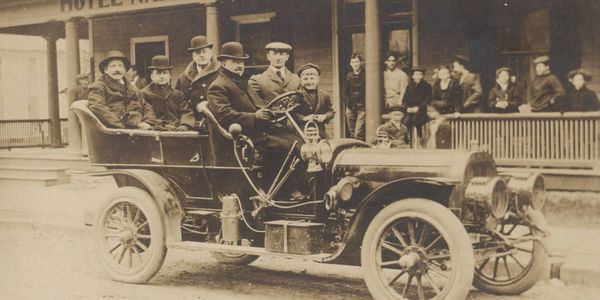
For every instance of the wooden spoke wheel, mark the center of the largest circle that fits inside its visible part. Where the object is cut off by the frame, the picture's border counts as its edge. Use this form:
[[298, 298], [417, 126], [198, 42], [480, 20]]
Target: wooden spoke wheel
[[130, 236], [417, 249], [514, 268]]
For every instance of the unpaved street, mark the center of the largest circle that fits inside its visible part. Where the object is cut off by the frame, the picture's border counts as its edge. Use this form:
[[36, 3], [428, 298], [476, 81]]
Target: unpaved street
[[59, 263]]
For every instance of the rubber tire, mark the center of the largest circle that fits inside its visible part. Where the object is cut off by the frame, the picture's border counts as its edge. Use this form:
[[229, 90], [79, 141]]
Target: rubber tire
[[158, 249], [241, 260], [448, 225], [532, 276]]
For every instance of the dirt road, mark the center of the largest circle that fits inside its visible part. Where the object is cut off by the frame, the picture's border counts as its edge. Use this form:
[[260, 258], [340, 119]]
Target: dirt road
[[59, 263]]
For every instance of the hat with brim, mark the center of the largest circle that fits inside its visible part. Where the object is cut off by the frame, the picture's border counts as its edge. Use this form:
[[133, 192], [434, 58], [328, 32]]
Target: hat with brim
[[232, 50], [199, 42], [541, 60], [461, 59], [160, 62], [395, 108], [586, 75], [503, 69], [308, 66], [114, 55], [278, 46]]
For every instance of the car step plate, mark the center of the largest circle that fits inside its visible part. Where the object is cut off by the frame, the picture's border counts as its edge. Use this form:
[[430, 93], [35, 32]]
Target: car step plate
[[198, 246]]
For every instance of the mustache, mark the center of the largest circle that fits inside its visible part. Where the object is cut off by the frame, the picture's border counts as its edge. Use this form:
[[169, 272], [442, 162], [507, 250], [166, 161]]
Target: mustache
[[117, 73]]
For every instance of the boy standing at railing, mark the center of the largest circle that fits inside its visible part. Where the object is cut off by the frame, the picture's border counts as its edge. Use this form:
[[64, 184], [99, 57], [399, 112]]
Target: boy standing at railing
[[546, 93]]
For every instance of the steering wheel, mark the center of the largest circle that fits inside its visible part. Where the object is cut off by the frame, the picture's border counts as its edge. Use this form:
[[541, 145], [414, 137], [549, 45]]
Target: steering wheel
[[282, 106]]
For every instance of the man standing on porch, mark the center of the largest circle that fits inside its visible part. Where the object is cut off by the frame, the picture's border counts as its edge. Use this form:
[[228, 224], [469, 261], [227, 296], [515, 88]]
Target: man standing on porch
[[546, 93], [276, 79], [395, 81], [199, 73]]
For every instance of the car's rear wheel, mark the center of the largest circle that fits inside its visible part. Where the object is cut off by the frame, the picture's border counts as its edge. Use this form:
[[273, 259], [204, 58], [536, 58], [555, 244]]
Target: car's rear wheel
[[417, 249], [130, 236], [512, 269]]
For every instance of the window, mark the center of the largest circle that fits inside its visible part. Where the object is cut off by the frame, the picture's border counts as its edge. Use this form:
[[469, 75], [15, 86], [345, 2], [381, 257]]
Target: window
[[144, 48]]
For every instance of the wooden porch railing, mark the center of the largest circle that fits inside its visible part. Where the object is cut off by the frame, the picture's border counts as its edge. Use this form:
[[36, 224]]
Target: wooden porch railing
[[29, 133], [532, 139]]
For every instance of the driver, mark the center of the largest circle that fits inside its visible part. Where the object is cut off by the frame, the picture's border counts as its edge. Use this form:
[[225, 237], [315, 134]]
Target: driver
[[232, 100]]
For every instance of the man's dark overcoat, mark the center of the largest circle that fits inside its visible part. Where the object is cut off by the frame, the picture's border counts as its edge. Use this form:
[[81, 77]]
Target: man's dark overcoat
[[169, 105], [449, 100], [109, 100], [194, 85]]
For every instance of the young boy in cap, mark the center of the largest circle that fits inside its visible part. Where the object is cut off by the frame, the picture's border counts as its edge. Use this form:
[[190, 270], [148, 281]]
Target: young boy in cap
[[354, 95], [170, 106], [417, 97], [114, 100], [545, 90], [469, 83], [199, 73], [580, 98], [276, 79], [316, 103], [396, 131]]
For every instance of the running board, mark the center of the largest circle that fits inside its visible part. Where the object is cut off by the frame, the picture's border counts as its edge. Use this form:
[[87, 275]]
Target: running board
[[212, 247]]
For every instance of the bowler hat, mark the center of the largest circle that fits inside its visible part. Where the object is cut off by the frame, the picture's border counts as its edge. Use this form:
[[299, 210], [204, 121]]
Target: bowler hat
[[160, 62], [112, 55], [233, 50], [199, 42], [418, 69], [586, 75], [278, 46], [306, 67], [395, 108], [541, 60]]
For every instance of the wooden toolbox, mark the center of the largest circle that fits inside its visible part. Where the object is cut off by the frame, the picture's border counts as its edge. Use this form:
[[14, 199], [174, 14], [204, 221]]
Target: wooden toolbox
[[294, 237]]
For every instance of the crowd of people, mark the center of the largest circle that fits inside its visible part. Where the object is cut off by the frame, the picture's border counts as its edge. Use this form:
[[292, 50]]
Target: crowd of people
[[123, 99], [411, 102]]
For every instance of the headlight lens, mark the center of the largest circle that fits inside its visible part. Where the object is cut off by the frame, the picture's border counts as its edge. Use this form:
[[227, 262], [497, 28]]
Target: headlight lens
[[529, 190], [324, 151], [490, 190]]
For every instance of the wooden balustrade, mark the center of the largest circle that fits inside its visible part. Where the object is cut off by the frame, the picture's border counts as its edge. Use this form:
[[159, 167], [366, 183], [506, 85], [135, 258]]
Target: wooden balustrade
[[533, 139], [28, 133]]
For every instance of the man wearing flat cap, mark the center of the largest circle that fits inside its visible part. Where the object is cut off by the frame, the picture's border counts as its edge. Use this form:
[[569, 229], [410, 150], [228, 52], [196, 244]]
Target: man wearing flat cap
[[199, 73], [579, 97], [315, 102], [276, 79], [546, 93], [232, 100], [170, 106], [470, 84], [114, 100]]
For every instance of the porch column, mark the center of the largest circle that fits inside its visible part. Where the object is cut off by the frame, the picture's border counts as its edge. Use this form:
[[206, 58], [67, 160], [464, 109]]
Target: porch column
[[339, 127], [212, 27], [74, 127], [53, 110], [372, 68], [415, 32]]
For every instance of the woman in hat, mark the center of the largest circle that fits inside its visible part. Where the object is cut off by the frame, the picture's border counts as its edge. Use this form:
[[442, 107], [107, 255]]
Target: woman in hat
[[580, 98], [504, 97], [170, 105]]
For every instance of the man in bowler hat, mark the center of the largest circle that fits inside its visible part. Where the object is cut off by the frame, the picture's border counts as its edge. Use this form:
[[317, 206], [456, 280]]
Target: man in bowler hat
[[199, 73], [231, 100], [276, 79], [170, 106], [114, 100]]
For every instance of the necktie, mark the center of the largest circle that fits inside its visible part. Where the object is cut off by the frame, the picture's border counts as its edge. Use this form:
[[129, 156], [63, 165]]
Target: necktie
[[279, 75]]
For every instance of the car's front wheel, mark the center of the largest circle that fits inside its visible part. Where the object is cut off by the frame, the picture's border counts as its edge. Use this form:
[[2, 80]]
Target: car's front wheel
[[417, 249], [130, 236]]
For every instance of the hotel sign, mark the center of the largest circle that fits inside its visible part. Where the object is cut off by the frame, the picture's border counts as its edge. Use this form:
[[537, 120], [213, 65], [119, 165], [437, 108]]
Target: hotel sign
[[17, 13]]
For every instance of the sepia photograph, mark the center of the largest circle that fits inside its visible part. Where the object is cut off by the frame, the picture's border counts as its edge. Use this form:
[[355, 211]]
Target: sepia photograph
[[300, 149]]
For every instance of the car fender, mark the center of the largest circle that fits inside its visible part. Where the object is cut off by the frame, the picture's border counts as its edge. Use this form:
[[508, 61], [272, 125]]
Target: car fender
[[167, 196], [433, 188]]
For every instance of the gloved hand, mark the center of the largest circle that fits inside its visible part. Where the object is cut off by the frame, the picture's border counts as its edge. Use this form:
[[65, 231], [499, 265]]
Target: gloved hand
[[144, 126], [183, 127], [264, 114]]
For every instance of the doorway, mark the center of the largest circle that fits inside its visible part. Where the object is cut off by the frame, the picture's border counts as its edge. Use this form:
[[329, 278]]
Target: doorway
[[144, 48]]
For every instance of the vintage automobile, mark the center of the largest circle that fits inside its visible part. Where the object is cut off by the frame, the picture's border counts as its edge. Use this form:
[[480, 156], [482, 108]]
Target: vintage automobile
[[422, 224]]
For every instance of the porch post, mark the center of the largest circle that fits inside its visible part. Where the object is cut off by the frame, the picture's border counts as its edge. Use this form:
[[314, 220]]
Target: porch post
[[415, 32], [338, 120], [212, 27], [53, 110], [74, 127], [373, 68]]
